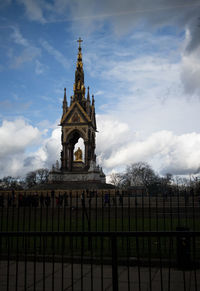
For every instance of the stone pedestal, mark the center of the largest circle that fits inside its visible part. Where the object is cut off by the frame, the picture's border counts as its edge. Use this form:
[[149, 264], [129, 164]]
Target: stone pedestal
[[94, 174]]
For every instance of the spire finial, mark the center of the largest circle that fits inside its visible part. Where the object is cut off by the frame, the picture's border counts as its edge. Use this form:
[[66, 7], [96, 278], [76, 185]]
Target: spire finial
[[79, 59], [79, 41]]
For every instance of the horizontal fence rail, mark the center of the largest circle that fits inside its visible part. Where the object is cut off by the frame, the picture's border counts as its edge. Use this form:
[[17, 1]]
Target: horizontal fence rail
[[101, 233]]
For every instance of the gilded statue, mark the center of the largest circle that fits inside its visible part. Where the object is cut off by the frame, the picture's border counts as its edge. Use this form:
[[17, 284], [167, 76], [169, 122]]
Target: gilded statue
[[78, 155]]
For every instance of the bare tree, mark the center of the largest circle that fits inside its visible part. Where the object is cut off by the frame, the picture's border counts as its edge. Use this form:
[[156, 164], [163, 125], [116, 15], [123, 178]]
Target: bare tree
[[42, 175], [31, 179], [140, 174], [116, 179], [36, 177]]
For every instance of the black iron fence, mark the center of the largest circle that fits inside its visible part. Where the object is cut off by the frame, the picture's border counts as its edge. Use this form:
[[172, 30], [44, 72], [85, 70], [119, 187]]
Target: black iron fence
[[99, 241], [97, 261], [102, 211]]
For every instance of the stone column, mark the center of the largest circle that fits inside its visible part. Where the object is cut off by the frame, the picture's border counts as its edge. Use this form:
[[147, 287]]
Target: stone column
[[65, 149], [67, 157], [70, 157], [86, 154]]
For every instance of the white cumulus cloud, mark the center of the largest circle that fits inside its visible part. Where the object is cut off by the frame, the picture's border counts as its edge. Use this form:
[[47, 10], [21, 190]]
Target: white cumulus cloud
[[165, 151], [16, 136], [23, 149]]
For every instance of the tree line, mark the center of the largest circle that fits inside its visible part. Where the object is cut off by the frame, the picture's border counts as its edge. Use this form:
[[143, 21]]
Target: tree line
[[142, 175], [139, 174], [32, 178]]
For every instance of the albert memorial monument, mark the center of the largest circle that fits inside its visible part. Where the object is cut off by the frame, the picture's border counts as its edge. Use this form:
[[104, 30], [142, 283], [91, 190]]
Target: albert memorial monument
[[78, 121]]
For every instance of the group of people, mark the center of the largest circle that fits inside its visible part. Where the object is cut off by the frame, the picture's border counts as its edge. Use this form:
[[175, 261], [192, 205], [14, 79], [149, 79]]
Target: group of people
[[51, 199], [33, 200], [26, 200], [114, 201]]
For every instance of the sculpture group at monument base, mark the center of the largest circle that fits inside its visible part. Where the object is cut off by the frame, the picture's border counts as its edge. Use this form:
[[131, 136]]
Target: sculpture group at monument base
[[62, 177], [93, 179], [93, 174]]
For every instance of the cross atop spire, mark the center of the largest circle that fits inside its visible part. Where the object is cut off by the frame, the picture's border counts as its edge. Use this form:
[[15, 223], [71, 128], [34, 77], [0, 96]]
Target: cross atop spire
[[79, 41]]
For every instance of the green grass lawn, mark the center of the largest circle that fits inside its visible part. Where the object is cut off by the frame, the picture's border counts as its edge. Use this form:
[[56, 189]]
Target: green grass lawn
[[60, 219]]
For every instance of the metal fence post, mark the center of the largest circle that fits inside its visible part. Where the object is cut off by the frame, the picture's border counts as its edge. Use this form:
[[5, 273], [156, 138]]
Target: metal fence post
[[183, 249], [114, 263]]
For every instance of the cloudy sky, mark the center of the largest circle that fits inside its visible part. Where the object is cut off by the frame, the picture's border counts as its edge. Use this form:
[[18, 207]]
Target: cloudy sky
[[141, 61]]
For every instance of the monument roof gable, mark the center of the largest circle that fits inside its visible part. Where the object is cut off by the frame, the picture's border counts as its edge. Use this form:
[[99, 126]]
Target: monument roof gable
[[75, 108]]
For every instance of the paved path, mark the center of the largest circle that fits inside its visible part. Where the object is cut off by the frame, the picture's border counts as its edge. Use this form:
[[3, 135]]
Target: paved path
[[177, 278]]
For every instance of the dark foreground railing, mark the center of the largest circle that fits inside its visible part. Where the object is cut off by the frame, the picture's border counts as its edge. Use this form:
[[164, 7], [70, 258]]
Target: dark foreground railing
[[163, 260], [105, 240]]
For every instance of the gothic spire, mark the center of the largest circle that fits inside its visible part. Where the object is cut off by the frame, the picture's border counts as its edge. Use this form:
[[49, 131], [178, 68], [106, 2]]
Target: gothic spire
[[88, 109], [79, 88], [93, 115], [88, 94], [92, 100], [65, 107]]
